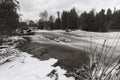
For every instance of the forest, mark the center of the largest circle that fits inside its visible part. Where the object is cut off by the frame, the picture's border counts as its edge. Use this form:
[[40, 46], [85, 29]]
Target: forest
[[101, 21]]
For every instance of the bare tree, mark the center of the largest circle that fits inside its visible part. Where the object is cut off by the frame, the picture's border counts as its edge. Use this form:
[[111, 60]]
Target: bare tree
[[44, 15]]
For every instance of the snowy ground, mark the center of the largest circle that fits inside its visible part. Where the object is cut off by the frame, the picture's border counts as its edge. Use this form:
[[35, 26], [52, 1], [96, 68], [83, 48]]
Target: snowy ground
[[17, 65], [26, 67]]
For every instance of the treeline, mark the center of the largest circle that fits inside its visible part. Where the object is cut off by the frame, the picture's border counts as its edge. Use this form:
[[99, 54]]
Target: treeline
[[101, 21], [68, 20]]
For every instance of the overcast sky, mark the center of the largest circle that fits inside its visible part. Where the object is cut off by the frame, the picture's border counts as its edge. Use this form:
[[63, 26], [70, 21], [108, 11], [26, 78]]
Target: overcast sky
[[31, 8]]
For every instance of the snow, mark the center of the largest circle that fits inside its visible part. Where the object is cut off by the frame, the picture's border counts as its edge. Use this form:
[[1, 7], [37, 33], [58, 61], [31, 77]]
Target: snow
[[12, 41], [17, 65], [26, 67], [37, 31]]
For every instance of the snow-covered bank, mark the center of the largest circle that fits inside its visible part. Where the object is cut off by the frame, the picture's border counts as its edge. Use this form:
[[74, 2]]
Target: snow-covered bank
[[26, 67], [17, 65], [8, 48]]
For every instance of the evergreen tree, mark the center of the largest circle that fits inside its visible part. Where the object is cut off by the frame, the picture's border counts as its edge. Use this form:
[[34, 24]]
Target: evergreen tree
[[64, 19], [58, 22], [32, 23], [116, 20], [88, 21], [9, 19], [51, 22], [91, 21], [100, 21], [109, 19], [73, 19], [41, 24], [22, 24], [83, 21], [109, 14]]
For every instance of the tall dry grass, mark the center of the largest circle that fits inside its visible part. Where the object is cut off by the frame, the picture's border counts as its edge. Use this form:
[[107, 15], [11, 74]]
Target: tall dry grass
[[104, 65]]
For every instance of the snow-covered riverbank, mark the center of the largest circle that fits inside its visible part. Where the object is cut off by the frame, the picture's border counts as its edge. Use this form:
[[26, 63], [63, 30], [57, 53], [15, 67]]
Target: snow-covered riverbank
[[17, 65], [25, 67]]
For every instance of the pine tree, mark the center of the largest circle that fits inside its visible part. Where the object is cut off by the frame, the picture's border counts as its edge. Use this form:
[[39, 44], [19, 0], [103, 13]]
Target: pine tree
[[87, 21], [43, 21], [73, 19], [58, 22], [83, 21], [91, 21], [100, 21], [109, 19], [41, 24], [9, 19], [64, 19], [32, 23], [51, 22], [116, 20]]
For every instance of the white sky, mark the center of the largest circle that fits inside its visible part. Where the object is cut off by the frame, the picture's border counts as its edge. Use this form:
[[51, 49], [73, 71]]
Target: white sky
[[31, 8]]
